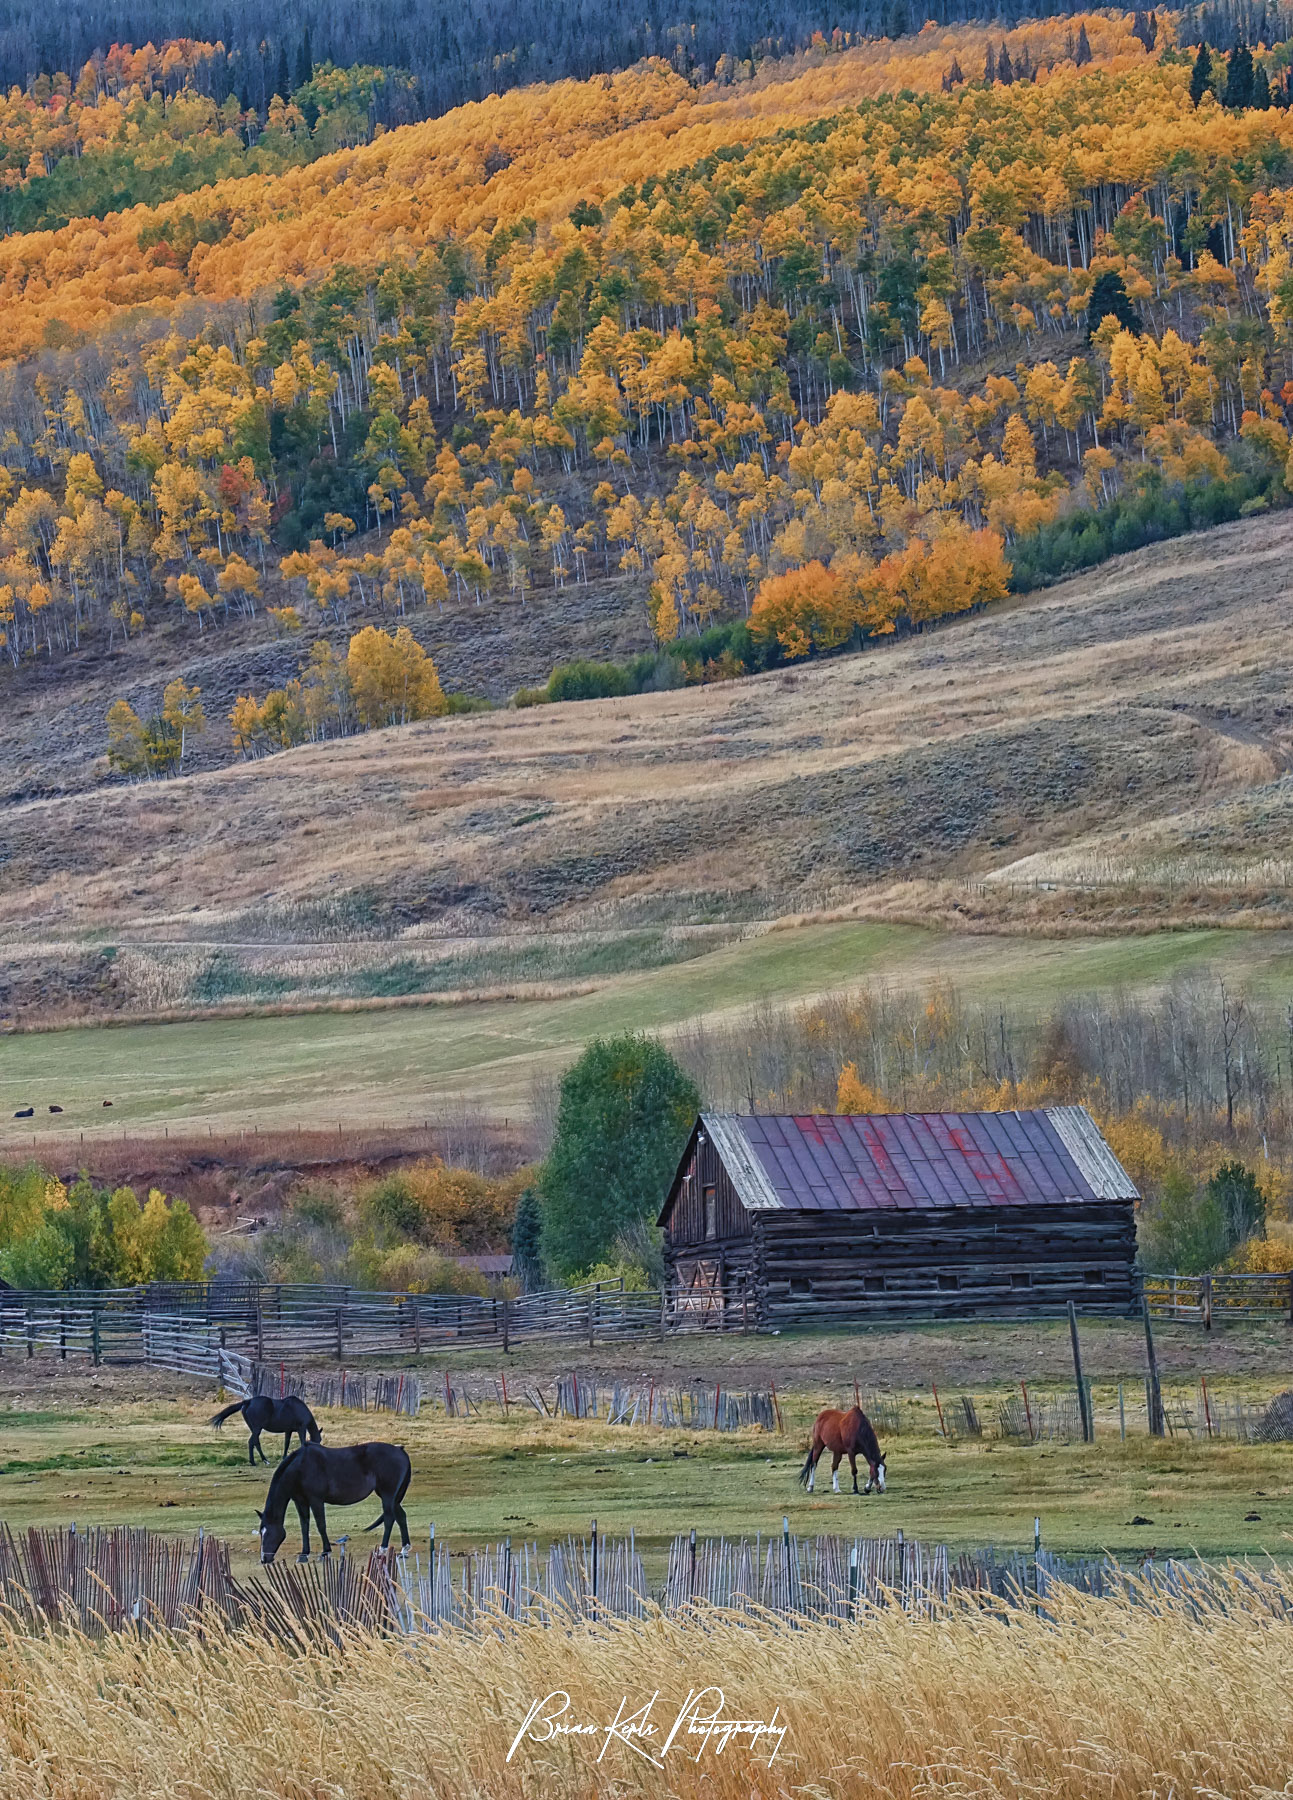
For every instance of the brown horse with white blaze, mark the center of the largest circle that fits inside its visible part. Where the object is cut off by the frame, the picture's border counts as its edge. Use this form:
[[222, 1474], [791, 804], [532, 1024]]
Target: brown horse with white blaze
[[844, 1434]]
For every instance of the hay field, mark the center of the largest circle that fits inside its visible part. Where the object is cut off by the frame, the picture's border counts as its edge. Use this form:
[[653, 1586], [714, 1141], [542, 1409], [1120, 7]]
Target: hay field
[[1102, 1697]]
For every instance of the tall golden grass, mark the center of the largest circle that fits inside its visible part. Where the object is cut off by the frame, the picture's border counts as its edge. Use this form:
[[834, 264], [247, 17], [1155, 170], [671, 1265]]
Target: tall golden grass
[[1108, 1698]]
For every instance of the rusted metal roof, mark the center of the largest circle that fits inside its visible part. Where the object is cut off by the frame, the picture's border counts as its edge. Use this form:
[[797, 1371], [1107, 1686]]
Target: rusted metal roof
[[916, 1161]]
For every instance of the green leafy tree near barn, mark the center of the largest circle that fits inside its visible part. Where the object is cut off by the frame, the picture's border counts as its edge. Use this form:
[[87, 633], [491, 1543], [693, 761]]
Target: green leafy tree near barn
[[625, 1110]]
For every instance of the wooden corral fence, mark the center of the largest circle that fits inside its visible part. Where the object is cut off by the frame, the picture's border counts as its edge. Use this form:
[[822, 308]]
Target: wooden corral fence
[[124, 1578], [295, 1322], [1203, 1298]]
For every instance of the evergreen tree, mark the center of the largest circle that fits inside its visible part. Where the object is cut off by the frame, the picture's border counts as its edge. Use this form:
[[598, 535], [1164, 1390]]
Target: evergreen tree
[[1005, 70], [1261, 89], [283, 80], [527, 1257], [1236, 1191], [625, 1111], [1201, 78], [304, 62], [989, 68], [1239, 78], [1109, 295], [1082, 55]]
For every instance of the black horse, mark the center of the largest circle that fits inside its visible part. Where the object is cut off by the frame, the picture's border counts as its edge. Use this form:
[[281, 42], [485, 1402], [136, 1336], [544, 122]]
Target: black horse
[[314, 1477], [289, 1415]]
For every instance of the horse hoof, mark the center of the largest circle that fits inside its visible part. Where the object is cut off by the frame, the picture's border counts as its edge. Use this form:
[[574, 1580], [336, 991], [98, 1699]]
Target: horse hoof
[[304, 1556]]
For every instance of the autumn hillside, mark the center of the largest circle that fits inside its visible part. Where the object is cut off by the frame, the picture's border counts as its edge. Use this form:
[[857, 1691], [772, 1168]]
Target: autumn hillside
[[747, 373]]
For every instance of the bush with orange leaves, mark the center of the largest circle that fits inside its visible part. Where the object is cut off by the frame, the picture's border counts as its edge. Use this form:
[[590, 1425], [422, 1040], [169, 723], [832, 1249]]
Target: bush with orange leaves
[[815, 608]]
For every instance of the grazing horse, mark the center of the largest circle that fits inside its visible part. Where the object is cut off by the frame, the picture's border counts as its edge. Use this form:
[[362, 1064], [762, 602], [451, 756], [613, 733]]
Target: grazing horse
[[312, 1478], [290, 1415], [844, 1434]]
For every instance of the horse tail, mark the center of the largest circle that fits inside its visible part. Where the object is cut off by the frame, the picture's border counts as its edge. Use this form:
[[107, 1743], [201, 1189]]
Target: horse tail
[[219, 1418], [807, 1469], [376, 1522]]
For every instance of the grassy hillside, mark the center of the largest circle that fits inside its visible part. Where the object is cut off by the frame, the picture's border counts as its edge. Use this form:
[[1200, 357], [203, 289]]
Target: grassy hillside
[[396, 1065]]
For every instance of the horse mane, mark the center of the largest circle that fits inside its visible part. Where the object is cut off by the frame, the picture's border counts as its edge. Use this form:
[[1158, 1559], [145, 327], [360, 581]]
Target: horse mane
[[279, 1483]]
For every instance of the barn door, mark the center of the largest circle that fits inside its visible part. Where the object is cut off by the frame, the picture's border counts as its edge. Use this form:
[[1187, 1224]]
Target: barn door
[[700, 1293]]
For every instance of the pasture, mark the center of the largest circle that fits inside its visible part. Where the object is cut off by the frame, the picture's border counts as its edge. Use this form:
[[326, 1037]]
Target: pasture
[[400, 1064], [132, 1446]]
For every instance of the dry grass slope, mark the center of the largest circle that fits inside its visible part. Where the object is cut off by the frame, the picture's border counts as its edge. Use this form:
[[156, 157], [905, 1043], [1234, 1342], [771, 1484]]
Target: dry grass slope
[[1133, 717]]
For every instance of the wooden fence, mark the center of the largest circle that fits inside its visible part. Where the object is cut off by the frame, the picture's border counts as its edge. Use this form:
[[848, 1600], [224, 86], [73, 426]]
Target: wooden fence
[[282, 1322], [123, 1578], [699, 1407], [1203, 1298]]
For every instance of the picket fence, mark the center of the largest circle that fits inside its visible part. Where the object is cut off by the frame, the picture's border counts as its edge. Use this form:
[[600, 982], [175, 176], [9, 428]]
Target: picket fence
[[125, 1578], [700, 1407]]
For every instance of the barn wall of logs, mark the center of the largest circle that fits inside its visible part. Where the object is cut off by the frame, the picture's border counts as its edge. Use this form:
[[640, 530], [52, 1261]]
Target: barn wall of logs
[[966, 1262]]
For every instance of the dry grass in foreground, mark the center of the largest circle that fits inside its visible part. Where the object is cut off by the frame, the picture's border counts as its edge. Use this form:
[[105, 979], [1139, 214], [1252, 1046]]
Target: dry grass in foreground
[[1110, 1698]]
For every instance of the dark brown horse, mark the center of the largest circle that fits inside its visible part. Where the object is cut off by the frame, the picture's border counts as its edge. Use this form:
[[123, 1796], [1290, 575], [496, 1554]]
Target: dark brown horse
[[844, 1434], [262, 1412], [314, 1477]]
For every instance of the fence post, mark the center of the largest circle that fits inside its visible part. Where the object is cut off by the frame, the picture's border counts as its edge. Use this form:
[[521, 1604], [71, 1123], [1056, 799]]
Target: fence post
[[1037, 1574], [853, 1578], [62, 1333], [260, 1329], [95, 1345], [506, 1324], [1084, 1399], [1205, 1302], [31, 1332], [341, 1332], [1153, 1391], [592, 1327]]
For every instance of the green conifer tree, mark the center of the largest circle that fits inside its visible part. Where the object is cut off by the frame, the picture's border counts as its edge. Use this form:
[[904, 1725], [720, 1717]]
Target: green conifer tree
[[1201, 78]]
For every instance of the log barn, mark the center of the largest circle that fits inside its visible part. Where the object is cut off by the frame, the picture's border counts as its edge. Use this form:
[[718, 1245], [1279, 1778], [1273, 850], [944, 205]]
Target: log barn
[[791, 1221]]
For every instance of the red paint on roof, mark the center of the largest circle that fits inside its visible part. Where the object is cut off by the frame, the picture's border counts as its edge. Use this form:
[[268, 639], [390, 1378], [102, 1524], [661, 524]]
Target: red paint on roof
[[914, 1160]]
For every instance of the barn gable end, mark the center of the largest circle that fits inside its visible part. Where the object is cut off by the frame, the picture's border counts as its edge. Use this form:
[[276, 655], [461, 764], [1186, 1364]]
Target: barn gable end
[[819, 1218]]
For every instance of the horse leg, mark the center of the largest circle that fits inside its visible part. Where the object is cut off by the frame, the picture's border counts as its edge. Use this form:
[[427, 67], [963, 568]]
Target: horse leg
[[287, 1444], [853, 1464], [304, 1513], [397, 1510], [836, 1455], [322, 1522], [253, 1444]]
